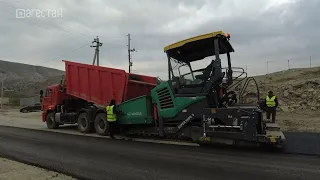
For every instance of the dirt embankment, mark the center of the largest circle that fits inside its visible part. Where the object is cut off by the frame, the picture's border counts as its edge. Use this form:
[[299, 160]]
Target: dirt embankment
[[298, 92]]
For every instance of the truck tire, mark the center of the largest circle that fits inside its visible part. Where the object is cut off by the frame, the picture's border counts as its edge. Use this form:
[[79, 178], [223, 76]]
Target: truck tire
[[101, 124], [84, 123], [51, 123]]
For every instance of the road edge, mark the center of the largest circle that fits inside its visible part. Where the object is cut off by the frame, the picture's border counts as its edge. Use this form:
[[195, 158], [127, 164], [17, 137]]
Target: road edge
[[295, 150], [42, 166]]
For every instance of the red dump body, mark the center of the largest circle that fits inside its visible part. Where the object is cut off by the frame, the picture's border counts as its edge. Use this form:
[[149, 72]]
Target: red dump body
[[100, 85]]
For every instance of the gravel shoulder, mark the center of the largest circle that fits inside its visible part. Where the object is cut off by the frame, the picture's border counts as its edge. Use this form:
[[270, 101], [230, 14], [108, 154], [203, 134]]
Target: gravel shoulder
[[299, 122], [11, 170], [12, 117]]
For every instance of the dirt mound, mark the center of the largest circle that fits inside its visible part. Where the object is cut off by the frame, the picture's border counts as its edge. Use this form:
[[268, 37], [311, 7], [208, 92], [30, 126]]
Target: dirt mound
[[297, 89]]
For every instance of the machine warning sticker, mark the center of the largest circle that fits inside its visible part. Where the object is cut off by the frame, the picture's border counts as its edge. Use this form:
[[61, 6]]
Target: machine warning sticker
[[134, 114]]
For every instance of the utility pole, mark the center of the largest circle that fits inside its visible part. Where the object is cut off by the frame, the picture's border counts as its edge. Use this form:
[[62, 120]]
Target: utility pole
[[2, 88], [2, 93], [96, 52], [310, 62], [288, 64], [129, 52]]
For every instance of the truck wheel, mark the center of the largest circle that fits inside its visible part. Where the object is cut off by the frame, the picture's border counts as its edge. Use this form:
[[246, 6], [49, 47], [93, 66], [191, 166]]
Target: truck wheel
[[51, 123], [84, 124], [101, 125]]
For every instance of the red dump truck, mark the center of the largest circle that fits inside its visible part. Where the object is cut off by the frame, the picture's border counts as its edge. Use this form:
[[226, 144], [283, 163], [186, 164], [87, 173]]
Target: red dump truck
[[86, 90]]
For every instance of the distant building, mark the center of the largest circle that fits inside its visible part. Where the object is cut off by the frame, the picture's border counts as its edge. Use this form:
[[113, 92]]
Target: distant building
[[5, 100]]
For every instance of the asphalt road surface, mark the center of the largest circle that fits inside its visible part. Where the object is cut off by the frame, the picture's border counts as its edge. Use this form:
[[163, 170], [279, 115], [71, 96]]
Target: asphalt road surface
[[99, 158]]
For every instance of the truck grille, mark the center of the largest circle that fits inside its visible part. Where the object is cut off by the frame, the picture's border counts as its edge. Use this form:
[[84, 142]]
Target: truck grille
[[165, 99]]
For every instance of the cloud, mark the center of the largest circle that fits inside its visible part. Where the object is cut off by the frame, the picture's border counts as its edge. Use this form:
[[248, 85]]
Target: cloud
[[261, 30]]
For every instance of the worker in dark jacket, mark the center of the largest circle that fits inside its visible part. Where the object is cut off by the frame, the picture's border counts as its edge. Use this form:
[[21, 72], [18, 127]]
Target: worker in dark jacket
[[271, 104], [112, 113]]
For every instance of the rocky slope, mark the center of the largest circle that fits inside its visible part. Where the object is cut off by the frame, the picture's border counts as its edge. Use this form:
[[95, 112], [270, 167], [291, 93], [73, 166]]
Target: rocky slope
[[297, 89], [27, 80]]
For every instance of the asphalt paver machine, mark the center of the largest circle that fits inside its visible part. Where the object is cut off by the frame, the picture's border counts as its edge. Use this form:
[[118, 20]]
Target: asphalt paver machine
[[214, 111]]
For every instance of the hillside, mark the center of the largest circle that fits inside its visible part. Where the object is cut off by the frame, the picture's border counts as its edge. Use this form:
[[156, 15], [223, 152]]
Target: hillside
[[27, 80], [298, 91]]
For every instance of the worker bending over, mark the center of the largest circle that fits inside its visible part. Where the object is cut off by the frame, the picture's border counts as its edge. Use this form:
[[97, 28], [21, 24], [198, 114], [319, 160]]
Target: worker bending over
[[112, 117], [271, 103]]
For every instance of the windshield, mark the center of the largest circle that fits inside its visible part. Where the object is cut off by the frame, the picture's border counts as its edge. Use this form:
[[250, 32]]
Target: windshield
[[179, 68], [184, 71]]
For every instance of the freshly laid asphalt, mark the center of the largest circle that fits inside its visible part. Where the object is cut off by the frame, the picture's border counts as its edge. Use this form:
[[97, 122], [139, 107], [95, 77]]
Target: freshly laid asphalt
[[87, 157]]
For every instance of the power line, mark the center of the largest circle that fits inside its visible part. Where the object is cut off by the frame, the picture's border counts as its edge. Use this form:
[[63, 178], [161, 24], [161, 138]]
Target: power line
[[65, 53], [37, 24], [28, 20], [306, 58], [32, 22], [293, 58], [57, 22]]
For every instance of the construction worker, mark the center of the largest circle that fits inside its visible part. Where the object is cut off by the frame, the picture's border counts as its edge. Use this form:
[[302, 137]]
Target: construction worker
[[271, 103], [112, 117]]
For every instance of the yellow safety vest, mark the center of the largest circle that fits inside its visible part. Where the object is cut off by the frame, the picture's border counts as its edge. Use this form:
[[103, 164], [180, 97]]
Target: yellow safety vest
[[111, 117], [270, 102]]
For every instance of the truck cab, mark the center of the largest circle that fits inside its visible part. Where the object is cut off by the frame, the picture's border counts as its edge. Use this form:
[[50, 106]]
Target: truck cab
[[52, 97]]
